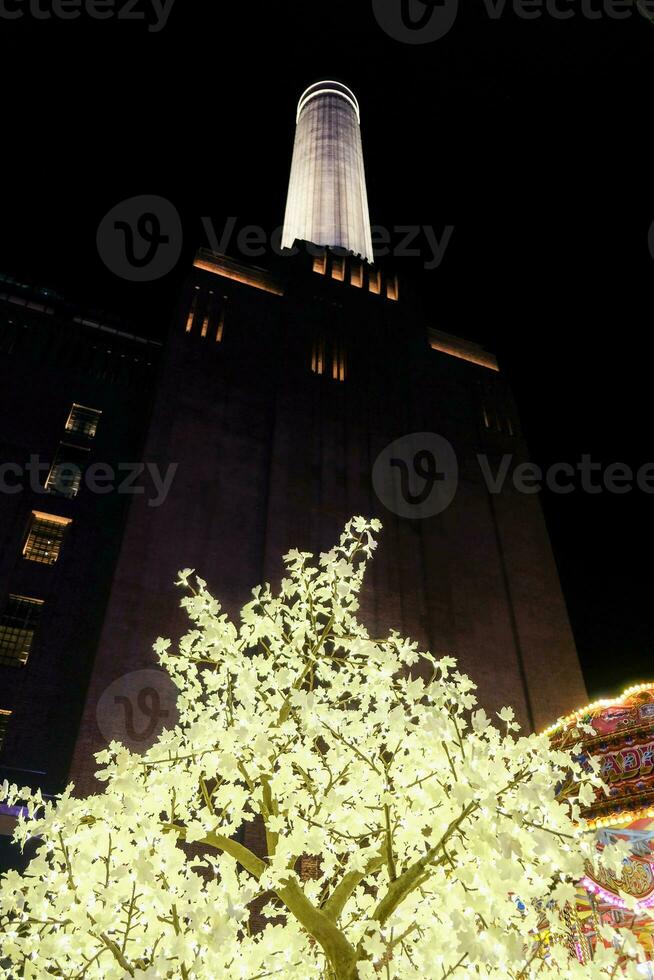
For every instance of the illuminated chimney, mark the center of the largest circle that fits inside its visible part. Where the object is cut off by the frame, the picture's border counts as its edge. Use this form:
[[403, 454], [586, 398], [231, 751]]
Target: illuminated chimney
[[327, 201]]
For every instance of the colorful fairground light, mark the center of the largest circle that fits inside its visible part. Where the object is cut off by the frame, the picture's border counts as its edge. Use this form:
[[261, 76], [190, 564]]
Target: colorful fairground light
[[620, 736]]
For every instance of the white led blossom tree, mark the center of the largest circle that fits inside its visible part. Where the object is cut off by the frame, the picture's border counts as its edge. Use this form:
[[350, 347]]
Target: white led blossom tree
[[438, 836]]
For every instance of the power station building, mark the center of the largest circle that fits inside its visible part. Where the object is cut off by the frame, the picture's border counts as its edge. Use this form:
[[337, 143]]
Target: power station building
[[277, 394]]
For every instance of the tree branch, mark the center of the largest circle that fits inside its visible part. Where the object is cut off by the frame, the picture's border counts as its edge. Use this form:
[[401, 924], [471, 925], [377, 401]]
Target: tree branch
[[245, 857], [405, 884], [339, 951], [338, 899], [113, 948]]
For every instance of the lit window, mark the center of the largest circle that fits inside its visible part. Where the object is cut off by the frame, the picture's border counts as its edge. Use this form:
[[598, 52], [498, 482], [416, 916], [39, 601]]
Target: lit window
[[4, 723], [338, 362], [17, 628], [356, 274], [209, 313], [65, 475], [192, 310], [310, 867], [191, 313], [83, 420], [220, 329], [206, 319], [322, 356], [338, 268], [374, 281], [318, 355], [45, 537], [320, 264], [392, 288]]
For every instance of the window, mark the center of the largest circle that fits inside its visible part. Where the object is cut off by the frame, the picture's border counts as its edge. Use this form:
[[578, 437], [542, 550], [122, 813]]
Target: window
[[338, 268], [356, 274], [324, 354], [45, 537], [207, 311], [191, 313], [392, 288], [65, 476], [17, 628], [374, 281], [309, 867], [318, 355], [83, 420], [320, 264], [495, 417], [338, 362], [220, 329], [4, 722]]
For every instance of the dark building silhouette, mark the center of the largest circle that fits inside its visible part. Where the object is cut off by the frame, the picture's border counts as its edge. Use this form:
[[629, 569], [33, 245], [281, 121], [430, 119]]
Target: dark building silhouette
[[75, 388], [276, 392]]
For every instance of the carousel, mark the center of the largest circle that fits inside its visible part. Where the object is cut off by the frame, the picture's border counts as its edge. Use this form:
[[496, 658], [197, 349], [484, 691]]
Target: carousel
[[622, 741]]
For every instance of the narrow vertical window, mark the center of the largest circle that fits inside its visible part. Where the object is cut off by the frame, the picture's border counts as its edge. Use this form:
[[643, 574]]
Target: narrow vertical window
[[338, 362], [208, 315], [191, 313], [18, 625], [220, 328], [45, 537], [356, 274], [392, 288], [374, 281], [320, 264], [83, 420], [338, 268]]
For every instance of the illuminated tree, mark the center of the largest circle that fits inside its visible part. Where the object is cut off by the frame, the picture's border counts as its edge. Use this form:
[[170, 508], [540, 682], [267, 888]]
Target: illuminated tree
[[437, 837]]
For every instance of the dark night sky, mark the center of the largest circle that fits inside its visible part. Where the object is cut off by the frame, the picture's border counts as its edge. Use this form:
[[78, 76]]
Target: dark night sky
[[531, 138]]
